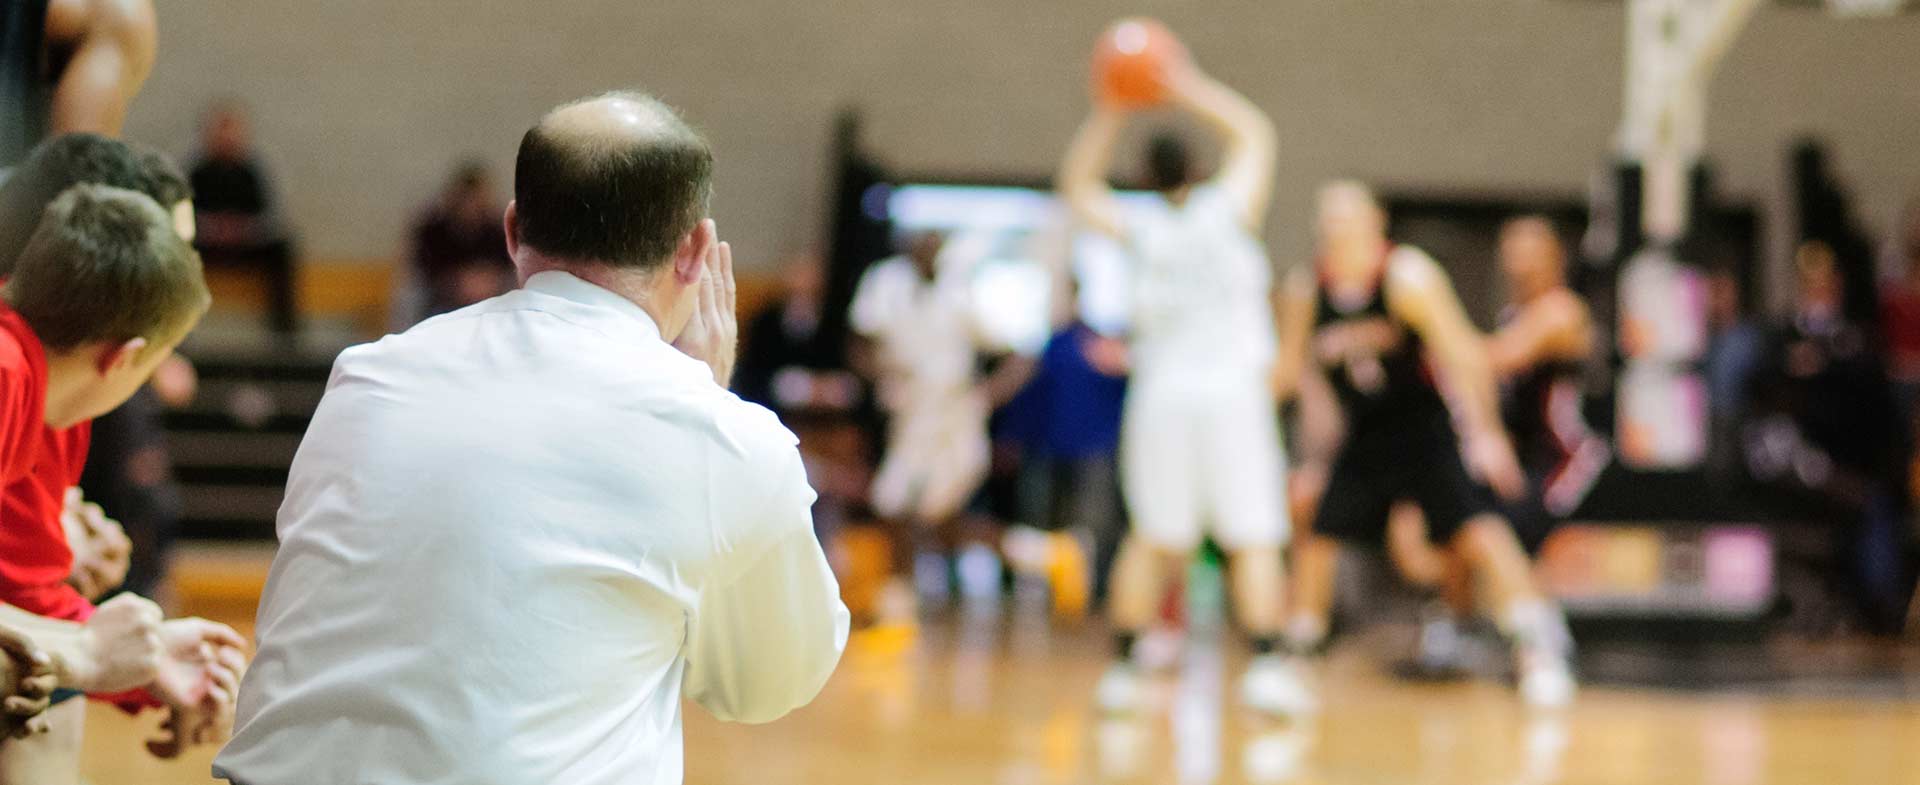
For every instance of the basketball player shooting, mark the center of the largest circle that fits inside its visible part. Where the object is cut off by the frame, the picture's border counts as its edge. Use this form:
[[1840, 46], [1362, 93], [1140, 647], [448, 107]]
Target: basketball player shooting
[[1200, 437]]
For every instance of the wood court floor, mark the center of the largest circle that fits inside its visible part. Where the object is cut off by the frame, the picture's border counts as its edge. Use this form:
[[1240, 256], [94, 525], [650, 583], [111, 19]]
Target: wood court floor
[[1002, 699]]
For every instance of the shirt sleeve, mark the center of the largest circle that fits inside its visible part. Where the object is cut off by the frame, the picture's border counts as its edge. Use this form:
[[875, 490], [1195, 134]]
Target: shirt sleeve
[[769, 630]]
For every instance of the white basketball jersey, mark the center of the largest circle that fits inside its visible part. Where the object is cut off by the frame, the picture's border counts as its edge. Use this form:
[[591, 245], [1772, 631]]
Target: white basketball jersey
[[1201, 289], [924, 331]]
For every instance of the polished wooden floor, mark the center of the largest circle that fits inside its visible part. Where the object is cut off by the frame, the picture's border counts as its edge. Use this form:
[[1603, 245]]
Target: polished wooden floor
[[1003, 699]]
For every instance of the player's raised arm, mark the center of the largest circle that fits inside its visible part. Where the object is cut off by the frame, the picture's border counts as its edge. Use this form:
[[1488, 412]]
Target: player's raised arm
[[1082, 181], [1559, 320], [1252, 144], [1418, 292], [1294, 304], [112, 44]]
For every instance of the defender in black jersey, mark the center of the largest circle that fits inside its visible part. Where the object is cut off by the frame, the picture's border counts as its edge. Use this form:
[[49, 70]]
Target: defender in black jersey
[[1540, 354], [1382, 322]]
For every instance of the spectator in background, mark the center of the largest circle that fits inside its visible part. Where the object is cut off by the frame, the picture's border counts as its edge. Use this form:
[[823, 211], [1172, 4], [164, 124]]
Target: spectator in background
[[784, 365], [459, 246], [1735, 346], [1900, 314], [238, 222], [1823, 426], [1069, 428], [1825, 211]]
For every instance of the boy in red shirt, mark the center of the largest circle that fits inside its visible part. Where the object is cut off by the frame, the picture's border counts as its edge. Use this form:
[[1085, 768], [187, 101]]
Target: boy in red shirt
[[101, 294]]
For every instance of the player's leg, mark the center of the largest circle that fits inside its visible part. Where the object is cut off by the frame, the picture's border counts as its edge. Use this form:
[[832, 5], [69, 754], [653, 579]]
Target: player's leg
[[51, 758], [1353, 508], [1159, 479], [954, 463], [1440, 650], [1086, 508], [1459, 514], [1244, 471], [898, 486], [954, 471], [1040, 492], [1316, 561], [1411, 551]]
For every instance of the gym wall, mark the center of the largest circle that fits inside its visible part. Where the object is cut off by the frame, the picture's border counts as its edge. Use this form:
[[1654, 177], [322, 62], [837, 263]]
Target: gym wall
[[363, 105]]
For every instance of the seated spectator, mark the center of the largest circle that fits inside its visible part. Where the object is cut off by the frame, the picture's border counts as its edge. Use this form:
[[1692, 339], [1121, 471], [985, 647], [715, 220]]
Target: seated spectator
[[1067, 421], [459, 246], [1735, 345], [784, 366], [1822, 426], [1900, 314], [238, 223]]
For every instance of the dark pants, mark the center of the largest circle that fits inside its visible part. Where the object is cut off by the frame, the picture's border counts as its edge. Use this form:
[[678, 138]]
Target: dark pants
[[129, 475], [1077, 494], [273, 260]]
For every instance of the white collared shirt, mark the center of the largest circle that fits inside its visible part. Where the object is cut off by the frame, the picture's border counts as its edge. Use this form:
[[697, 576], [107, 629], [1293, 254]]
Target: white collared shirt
[[512, 537]]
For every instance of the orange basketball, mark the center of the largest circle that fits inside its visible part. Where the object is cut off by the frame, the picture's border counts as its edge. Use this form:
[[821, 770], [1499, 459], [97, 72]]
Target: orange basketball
[[1131, 61]]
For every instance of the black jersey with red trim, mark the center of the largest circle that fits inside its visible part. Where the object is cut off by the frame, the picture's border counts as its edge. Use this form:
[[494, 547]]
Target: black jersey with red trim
[[1543, 408], [1375, 362]]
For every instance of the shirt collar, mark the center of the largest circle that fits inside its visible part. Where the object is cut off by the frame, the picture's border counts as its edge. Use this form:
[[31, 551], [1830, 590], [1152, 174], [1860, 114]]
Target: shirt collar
[[615, 308]]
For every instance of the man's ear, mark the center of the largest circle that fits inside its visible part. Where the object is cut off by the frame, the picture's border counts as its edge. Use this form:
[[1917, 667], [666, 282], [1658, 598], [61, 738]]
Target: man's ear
[[116, 356], [511, 222], [690, 258]]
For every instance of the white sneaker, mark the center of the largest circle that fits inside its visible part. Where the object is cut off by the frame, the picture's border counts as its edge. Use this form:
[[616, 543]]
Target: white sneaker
[[1120, 690], [896, 604], [1159, 649], [1546, 681], [1441, 652], [1273, 685]]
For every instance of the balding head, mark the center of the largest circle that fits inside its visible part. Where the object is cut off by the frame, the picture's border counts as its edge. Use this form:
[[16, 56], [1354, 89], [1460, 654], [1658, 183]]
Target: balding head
[[617, 179], [1349, 199], [1349, 220]]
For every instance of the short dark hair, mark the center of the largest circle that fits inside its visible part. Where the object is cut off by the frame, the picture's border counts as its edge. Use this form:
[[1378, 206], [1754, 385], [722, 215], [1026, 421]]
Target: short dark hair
[[106, 264], [625, 202], [468, 175], [1169, 162], [71, 159]]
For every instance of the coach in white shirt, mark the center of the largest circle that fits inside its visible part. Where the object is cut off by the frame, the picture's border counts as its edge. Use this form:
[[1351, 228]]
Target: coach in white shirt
[[517, 533]]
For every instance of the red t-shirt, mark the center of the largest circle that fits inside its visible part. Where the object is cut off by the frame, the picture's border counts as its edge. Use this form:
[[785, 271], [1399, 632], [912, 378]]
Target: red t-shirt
[[23, 396], [1900, 321], [37, 465]]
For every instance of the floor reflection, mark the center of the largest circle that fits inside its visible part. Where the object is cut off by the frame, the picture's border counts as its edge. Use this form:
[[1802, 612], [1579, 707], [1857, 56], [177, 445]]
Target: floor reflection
[[1004, 698]]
